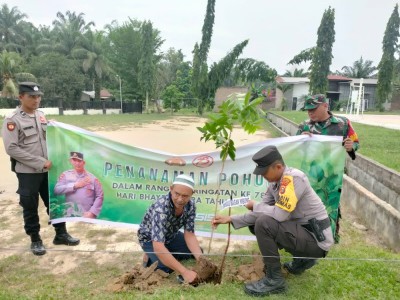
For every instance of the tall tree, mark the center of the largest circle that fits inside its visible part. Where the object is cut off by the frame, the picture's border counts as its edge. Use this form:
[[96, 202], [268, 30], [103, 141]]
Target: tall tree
[[9, 65], [146, 63], [386, 65], [167, 69], [219, 71], [200, 56], [59, 76], [249, 70], [94, 62], [322, 57], [360, 69], [10, 29], [123, 53], [69, 30]]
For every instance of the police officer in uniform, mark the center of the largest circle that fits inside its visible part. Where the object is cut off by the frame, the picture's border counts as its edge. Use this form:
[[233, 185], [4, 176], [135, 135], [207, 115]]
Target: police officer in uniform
[[290, 216], [82, 189], [24, 137]]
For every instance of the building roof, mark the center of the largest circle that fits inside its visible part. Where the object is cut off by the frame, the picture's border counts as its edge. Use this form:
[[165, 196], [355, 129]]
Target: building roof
[[104, 94], [338, 78], [291, 80]]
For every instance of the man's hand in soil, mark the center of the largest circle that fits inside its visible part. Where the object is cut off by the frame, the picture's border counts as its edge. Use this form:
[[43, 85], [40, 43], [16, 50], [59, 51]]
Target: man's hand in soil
[[189, 276]]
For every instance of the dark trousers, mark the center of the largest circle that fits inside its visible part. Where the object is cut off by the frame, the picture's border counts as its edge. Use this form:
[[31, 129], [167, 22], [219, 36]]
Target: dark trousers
[[291, 236], [177, 247], [30, 186]]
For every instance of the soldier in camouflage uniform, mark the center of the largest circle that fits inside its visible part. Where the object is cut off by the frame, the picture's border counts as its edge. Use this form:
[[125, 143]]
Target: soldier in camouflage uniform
[[24, 137], [322, 121]]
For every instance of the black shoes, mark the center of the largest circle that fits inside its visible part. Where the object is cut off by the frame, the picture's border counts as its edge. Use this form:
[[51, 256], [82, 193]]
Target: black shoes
[[37, 248], [61, 238], [65, 239], [298, 266], [272, 283]]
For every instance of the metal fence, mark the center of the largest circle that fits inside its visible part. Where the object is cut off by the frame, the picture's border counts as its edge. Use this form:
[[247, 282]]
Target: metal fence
[[127, 106]]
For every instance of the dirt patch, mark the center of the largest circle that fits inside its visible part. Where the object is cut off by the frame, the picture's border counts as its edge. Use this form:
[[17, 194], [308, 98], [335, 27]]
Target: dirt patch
[[148, 279], [140, 278], [206, 271]]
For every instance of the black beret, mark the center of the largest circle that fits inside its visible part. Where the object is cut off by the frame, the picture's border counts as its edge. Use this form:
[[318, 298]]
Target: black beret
[[264, 158], [31, 88]]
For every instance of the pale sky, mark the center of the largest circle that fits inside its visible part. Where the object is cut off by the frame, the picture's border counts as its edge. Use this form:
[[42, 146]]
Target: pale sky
[[277, 30]]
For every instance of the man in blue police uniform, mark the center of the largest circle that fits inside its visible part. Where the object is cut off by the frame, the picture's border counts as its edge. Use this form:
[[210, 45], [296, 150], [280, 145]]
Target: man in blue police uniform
[[24, 137]]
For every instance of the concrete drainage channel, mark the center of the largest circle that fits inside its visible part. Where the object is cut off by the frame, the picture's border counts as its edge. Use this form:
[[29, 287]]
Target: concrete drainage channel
[[370, 189]]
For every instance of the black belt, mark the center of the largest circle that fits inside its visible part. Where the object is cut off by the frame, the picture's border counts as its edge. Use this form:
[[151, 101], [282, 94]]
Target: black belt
[[323, 224]]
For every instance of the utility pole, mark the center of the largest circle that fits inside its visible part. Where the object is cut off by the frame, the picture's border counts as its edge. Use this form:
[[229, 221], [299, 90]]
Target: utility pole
[[120, 91]]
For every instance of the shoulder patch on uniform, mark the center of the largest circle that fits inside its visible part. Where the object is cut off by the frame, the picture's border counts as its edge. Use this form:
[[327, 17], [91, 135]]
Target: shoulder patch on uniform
[[287, 199], [11, 126]]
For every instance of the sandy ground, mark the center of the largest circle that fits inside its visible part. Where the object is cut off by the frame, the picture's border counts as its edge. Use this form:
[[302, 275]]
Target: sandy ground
[[178, 136], [388, 121]]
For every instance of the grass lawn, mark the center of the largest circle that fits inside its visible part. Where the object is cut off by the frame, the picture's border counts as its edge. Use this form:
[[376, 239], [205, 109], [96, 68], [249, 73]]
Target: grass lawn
[[378, 143], [357, 268]]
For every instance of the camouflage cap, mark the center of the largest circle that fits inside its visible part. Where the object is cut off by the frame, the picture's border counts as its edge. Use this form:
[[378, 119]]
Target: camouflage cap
[[312, 102], [76, 155]]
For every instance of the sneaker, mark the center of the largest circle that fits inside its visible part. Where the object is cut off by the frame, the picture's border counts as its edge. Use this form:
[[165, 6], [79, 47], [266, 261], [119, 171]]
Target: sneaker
[[37, 248], [298, 266]]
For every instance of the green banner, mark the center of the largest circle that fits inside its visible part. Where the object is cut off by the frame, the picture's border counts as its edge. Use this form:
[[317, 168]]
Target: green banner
[[125, 180]]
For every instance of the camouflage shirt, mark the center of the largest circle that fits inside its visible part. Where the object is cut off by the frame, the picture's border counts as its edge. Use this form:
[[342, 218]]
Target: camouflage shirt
[[160, 223], [335, 125]]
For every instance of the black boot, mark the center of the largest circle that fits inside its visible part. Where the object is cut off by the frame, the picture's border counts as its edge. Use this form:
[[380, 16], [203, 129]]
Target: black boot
[[299, 265], [272, 283], [63, 238], [37, 247]]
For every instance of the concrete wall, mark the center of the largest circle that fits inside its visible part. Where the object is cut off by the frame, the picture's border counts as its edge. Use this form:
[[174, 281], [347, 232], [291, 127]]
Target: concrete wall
[[380, 216], [371, 190], [376, 178], [286, 126], [55, 111]]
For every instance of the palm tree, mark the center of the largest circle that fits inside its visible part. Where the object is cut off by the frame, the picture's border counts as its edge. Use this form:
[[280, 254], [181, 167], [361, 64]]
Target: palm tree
[[284, 88], [360, 69], [94, 61], [296, 73], [69, 30], [9, 63], [10, 30]]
